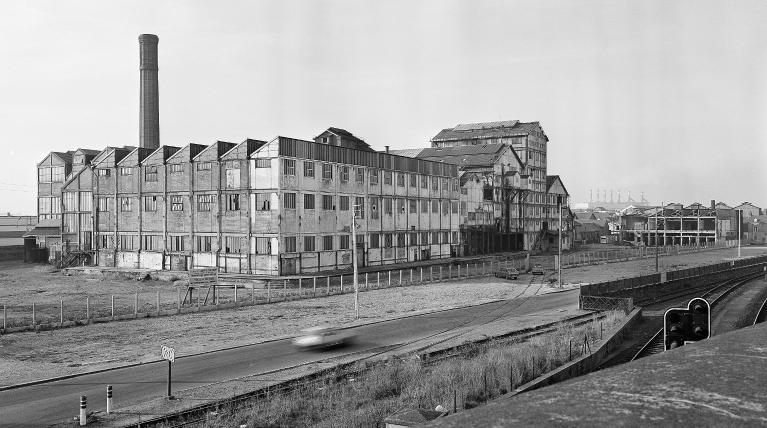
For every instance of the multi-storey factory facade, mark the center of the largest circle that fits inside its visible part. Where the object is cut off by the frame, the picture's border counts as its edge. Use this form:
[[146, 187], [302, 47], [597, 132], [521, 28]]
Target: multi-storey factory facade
[[273, 208], [541, 197]]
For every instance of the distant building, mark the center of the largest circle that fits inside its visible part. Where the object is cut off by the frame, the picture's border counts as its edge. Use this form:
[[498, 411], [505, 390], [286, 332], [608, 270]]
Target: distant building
[[13, 228], [676, 224], [748, 210], [529, 142]]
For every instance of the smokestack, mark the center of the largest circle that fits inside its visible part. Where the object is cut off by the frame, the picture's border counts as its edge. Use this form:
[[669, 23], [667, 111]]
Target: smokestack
[[149, 110]]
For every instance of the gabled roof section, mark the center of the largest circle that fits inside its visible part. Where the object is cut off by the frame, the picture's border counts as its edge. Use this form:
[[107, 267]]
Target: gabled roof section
[[745, 205], [500, 129], [76, 174], [65, 157], [347, 139], [219, 147], [551, 179], [465, 156], [189, 152], [136, 156], [162, 153], [249, 146], [722, 206]]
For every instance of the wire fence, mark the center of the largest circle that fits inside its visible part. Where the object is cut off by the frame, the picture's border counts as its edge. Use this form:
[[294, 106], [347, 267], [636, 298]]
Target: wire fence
[[228, 292], [623, 254]]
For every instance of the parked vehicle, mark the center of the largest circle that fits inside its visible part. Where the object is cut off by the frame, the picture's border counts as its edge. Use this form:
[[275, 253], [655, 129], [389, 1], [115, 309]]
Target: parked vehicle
[[507, 272], [323, 337], [537, 270]]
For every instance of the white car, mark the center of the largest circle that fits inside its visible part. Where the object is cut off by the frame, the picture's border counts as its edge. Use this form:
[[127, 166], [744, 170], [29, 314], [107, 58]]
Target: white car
[[323, 337]]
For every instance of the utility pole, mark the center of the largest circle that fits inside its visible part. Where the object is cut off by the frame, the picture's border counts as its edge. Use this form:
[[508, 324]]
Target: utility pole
[[740, 216], [354, 263], [559, 205]]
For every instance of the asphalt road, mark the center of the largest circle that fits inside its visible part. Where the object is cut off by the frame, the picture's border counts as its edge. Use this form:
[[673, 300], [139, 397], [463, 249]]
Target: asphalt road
[[58, 401]]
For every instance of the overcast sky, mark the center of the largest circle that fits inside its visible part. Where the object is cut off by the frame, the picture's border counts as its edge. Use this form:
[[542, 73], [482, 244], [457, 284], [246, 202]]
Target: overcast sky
[[668, 98]]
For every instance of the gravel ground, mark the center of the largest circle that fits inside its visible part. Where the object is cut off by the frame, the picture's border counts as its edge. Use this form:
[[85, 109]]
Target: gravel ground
[[30, 356]]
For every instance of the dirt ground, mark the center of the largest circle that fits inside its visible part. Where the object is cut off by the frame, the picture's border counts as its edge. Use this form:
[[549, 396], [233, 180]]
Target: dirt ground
[[31, 356]]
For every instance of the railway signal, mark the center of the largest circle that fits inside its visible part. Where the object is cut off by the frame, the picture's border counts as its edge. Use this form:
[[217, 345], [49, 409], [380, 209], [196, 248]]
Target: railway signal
[[686, 325]]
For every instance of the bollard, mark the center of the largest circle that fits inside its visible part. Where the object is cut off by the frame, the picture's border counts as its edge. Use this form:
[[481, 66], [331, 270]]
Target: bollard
[[285, 290], [83, 414], [235, 292], [61, 312], [483, 268], [366, 281], [314, 286], [135, 306], [449, 271], [440, 272], [459, 271], [109, 398], [421, 275], [112, 304], [268, 291], [411, 275], [389, 278], [467, 270], [327, 282], [34, 322], [178, 300], [431, 273], [400, 278], [158, 303], [87, 309], [378, 279], [342, 284]]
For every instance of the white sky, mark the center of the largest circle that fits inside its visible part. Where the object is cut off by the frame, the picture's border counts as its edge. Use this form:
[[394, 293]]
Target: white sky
[[668, 98]]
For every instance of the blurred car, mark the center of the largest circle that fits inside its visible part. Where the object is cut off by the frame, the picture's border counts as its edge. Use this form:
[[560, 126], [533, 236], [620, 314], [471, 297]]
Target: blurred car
[[323, 337], [537, 270], [507, 272]]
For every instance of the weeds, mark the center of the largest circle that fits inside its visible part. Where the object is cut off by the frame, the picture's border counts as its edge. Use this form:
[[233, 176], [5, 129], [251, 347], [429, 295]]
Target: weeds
[[493, 370]]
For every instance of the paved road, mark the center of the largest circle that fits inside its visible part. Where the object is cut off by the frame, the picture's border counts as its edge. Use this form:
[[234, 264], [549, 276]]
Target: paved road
[[53, 402]]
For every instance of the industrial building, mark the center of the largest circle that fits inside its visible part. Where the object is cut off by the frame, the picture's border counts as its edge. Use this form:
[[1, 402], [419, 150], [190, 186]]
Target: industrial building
[[286, 206], [677, 224]]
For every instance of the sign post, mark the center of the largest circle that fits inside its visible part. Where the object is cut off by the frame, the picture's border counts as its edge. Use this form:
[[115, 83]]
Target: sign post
[[169, 354]]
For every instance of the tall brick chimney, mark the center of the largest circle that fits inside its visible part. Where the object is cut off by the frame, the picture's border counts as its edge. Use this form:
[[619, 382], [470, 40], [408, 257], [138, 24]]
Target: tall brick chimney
[[149, 110]]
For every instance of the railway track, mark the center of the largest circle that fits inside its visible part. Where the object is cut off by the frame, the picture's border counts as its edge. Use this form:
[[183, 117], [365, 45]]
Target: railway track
[[648, 337]]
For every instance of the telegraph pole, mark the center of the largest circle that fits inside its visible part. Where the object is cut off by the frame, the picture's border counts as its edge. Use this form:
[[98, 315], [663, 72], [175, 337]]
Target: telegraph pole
[[740, 216], [354, 263], [560, 244]]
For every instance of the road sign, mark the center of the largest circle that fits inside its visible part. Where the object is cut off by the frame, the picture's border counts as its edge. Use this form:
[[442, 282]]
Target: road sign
[[168, 353]]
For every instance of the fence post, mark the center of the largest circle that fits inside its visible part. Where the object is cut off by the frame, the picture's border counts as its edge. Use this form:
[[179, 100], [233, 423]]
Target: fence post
[[483, 268], [285, 290], [268, 291], [389, 278], [328, 284], [431, 273], [314, 286], [5, 317], [87, 308], [400, 278], [366, 281], [459, 271], [83, 410], [235, 292], [342, 283], [178, 300], [440, 272], [158, 303], [109, 398], [61, 313], [467, 270], [300, 287], [411, 275], [252, 293], [135, 306], [421, 274], [449, 271], [34, 321], [112, 304]]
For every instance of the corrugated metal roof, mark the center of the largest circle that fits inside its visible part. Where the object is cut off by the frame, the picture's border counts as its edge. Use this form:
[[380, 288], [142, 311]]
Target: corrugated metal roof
[[509, 128], [465, 156], [411, 153]]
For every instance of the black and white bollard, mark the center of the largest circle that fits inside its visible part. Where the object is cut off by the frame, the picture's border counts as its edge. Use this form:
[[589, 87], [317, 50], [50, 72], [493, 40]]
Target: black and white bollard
[[83, 406], [109, 398]]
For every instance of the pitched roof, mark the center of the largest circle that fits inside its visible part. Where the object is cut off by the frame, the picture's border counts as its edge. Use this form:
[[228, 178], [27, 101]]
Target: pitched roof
[[359, 143], [551, 179], [411, 153], [465, 156], [507, 128]]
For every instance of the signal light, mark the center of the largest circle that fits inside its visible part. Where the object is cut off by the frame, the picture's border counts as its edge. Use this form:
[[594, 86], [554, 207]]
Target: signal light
[[686, 325]]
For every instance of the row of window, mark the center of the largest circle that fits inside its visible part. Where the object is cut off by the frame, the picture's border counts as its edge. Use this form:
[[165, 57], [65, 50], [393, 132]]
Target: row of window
[[231, 169], [204, 203], [232, 244], [289, 168], [375, 240], [402, 205]]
